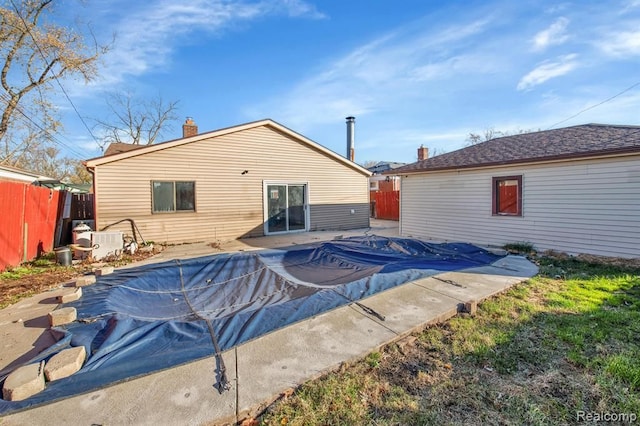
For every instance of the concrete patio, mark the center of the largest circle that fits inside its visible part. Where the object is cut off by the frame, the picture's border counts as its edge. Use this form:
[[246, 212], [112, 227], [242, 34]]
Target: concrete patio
[[261, 369]]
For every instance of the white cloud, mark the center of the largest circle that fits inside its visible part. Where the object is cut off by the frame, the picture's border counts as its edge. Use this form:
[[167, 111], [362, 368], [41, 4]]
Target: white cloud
[[585, 105], [557, 8], [299, 8], [147, 36], [631, 4], [400, 55], [621, 44], [430, 81], [548, 70], [453, 33], [554, 35], [453, 66], [437, 70], [391, 69]]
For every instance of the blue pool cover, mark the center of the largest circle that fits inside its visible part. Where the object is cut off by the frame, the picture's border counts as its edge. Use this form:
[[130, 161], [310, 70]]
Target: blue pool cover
[[152, 317]]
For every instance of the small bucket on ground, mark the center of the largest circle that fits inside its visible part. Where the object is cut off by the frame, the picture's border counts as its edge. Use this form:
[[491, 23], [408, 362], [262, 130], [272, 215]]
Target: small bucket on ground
[[63, 255]]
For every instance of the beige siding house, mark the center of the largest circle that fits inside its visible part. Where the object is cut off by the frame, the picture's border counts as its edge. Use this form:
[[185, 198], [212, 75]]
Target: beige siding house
[[254, 179], [575, 190]]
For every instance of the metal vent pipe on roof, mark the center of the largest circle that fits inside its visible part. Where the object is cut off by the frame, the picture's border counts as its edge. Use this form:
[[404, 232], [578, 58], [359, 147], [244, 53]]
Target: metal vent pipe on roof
[[351, 130]]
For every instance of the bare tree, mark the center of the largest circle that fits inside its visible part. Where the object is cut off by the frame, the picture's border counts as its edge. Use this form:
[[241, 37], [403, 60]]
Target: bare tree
[[369, 163], [491, 133], [35, 52], [26, 139], [73, 171], [487, 135], [136, 121]]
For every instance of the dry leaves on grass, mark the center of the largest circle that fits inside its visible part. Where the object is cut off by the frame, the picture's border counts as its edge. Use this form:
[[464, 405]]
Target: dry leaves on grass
[[13, 289], [598, 260]]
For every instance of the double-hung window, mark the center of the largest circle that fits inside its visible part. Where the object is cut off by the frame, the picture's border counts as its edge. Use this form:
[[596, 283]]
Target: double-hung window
[[173, 196], [507, 196]]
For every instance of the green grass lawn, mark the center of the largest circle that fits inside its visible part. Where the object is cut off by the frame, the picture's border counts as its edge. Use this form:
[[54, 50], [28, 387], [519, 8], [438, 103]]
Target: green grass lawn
[[563, 343]]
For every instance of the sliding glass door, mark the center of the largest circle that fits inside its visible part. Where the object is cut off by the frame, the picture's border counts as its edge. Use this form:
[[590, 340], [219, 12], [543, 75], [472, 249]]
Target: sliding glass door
[[285, 208]]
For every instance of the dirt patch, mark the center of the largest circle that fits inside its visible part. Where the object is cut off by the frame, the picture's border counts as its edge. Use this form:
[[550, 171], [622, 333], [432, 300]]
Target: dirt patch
[[54, 276], [598, 260], [611, 261], [11, 290]]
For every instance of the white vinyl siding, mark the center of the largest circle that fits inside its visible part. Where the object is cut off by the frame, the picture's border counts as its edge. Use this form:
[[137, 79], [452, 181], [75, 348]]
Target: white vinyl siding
[[580, 206], [229, 204]]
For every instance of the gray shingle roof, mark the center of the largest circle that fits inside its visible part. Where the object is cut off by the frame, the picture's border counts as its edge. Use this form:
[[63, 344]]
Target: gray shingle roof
[[569, 142]]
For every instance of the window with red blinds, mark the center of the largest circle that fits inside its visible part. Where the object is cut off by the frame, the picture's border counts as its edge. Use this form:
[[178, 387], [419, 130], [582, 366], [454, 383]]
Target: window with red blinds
[[507, 196]]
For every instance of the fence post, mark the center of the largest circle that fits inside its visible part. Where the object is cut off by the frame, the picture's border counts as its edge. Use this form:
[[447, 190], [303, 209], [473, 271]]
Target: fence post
[[25, 241]]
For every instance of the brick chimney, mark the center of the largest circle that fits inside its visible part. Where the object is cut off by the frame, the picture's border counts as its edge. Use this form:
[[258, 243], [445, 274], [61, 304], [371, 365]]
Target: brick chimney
[[189, 128], [423, 153]]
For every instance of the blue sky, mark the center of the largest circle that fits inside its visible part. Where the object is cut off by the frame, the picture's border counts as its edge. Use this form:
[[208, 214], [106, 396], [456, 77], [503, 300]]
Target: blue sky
[[412, 72]]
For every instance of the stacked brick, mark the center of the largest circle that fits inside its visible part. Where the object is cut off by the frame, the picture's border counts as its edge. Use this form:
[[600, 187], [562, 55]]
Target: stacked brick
[[31, 379]]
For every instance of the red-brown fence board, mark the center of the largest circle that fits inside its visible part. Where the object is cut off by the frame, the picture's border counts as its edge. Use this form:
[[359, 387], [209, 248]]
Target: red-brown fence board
[[40, 216], [11, 223], [387, 204], [25, 209], [384, 186]]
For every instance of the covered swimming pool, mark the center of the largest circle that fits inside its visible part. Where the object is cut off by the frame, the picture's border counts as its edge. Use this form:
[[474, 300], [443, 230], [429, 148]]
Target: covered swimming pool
[[157, 316]]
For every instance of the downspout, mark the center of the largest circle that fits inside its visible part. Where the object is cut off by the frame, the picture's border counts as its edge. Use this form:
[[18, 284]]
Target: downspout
[[400, 208]]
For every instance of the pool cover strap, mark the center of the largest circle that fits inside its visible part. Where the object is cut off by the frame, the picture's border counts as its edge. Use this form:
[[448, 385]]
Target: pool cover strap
[[222, 383], [371, 311]]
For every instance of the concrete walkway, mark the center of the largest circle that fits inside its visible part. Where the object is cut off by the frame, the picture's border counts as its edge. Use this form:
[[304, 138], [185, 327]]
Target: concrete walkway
[[260, 370]]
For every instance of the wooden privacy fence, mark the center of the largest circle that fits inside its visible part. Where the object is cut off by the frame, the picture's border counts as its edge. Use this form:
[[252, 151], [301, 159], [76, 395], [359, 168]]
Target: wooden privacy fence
[[74, 208], [28, 216], [82, 207], [385, 205]]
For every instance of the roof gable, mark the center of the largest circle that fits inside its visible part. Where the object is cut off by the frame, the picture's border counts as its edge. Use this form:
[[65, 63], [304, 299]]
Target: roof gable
[[118, 147], [586, 140], [209, 135]]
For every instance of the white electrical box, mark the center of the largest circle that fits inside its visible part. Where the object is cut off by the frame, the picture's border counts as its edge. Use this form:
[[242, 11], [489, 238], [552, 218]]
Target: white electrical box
[[106, 243]]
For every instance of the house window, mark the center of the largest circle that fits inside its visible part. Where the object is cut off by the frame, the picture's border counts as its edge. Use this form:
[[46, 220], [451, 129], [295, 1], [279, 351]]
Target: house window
[[172, 196], [507, 196]]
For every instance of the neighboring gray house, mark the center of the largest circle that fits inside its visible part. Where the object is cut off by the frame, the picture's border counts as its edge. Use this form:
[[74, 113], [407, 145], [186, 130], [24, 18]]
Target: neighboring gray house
[[575, 189], [384, 166], [254, 179]]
